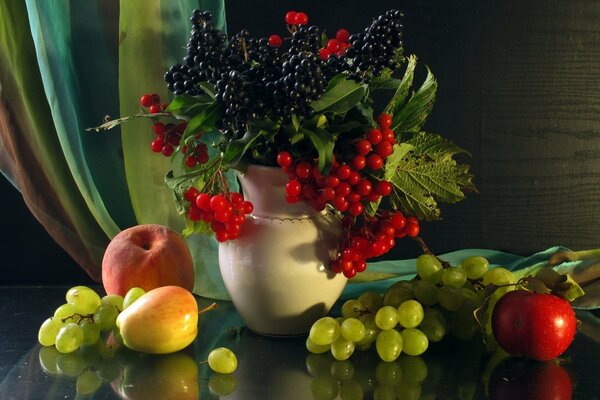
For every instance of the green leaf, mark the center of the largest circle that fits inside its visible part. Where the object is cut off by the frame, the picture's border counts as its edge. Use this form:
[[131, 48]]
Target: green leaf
[[430, 143], [401, 93], [323, 142], [185, 106], [421, 181], [295, 123], [236, 149], [205, 121], [196, 227], [209, 89], [412, 115], [340, 97], [383, 82], [178, 185]]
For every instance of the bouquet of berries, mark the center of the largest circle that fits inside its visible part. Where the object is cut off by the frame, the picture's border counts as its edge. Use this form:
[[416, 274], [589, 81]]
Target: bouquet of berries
[[303, 101]]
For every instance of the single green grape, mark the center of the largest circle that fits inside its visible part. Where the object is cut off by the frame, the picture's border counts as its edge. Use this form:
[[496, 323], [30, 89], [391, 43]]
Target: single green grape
[[316, 348], [47, 358], [351, 390], [91, 332], [353, 309], [83, 298], [371, 300], [386, 318], [389, 345], [113, 300], [429, 268], [475, 266], [222, 360], [388, 373], [353, 330], [450, 298], [414, 341], [433, 324], [425, 292], [410, 314], [371, 330], [88, 382], [106, 316], [498, 276], [318, 364], [342, 349], [324, 388], [454, 276], [67, 313], [71, 365], [342, 370], [414, 368], [222, 385], [395, 296], [69, 338], [132, 295], [324, 331], [48, 331]]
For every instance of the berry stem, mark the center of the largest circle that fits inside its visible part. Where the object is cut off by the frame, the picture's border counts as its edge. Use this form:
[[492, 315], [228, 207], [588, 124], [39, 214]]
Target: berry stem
[[207, 308]]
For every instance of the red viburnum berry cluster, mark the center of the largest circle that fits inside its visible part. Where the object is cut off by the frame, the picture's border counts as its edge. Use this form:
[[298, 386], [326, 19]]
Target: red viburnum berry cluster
[[168, 137], [151, 101], [292, 18], [336, 46], [374, 238], [348, 187], [225, 213], [195, 153]]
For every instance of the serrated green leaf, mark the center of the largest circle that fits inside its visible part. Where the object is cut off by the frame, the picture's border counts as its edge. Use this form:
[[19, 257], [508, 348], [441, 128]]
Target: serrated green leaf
[[323, 142], [236, 148], [421, 181], [196, 227], [393, 161], [401, 93], [412, 115], [340, 97], [431, 143], [185, 106]]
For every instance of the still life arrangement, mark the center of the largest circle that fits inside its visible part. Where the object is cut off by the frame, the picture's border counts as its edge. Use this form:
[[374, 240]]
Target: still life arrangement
[[324, 133]]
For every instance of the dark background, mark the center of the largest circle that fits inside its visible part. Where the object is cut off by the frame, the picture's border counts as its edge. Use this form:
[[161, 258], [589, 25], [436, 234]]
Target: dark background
[[518, 87]]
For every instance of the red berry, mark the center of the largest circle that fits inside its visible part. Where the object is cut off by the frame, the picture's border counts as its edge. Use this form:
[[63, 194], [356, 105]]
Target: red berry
[[343, 172], [363, 147], [328, 193], [354, 197], [248, 207], [385, 149], [384, 188], [332, 181], [155, 108], [398, 221], [412, 229], [236, 198], [354, 178], [384, 120], [222, 236], [190, 162], [340, 203], [359, 162], [290, 17], [194, 213], [147, 100], [222, 215], [374, 136], [324, 53], [275, 40], [293, 188], [158, 128], [333, 45], [157, 145], [218, 202], [343, 189], [364, 187], [167, 150], [387, 135], [284, 159], [301, 19], [374, 161], [303, 169], [360, 266], [350, 273], [203, 202], [191, 194], [356, 209], [342, 35]]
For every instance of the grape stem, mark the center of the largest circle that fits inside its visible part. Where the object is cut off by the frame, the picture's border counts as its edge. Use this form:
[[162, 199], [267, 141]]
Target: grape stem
[[89, 317], [427, 250], [207, 308]]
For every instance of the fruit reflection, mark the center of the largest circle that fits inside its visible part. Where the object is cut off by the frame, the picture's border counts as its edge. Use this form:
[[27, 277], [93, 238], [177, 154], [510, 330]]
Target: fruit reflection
[[517, 378]]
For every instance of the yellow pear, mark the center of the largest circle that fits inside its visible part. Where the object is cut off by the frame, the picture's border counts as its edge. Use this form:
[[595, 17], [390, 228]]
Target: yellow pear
[[164, 320]]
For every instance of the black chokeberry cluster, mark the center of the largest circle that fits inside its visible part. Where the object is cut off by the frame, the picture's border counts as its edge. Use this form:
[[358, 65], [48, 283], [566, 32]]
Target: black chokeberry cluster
[[274, 77], [376, 47]]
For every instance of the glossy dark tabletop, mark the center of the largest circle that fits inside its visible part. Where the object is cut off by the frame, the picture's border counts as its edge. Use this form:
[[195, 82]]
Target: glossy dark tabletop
[[272, 368]]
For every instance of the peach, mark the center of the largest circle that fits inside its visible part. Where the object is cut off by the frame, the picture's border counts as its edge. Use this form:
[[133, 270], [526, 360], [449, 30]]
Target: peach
[[147, 256]]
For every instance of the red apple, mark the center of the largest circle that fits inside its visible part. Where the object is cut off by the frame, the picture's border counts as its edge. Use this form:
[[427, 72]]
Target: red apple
[[147, 256]]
